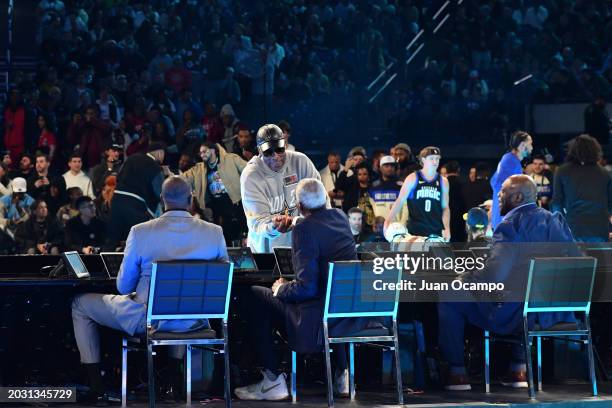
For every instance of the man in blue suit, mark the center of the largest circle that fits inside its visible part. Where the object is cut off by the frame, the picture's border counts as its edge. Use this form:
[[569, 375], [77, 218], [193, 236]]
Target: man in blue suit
[[323, 236], [525, 232]]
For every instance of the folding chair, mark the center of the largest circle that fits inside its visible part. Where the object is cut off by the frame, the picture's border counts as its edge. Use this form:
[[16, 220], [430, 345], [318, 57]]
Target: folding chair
[[554, 285], [350, 294], [184, 290]]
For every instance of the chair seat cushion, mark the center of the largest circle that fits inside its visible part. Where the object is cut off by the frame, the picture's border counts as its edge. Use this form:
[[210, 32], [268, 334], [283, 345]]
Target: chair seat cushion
[[561, 326], [190, 335], [367, 332]]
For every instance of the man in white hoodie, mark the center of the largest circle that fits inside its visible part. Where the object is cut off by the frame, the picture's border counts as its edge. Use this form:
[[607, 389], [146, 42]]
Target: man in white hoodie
[[267, 187]]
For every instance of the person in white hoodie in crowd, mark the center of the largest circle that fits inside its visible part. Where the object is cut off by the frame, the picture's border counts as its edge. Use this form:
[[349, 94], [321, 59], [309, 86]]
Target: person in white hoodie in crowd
[[329, 176], [75, 177], [267, 186]]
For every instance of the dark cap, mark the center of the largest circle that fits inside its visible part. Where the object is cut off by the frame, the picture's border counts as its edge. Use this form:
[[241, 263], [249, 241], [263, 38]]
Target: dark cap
[[153, 146], [116, 146], [477, 218], [270, 137]]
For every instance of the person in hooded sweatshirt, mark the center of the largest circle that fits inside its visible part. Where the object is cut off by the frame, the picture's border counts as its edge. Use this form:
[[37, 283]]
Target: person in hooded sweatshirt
[[267, 187]]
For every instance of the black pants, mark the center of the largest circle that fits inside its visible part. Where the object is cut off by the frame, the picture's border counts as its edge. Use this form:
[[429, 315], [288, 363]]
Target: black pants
[[229, 216], [267, 313], [125, 213]]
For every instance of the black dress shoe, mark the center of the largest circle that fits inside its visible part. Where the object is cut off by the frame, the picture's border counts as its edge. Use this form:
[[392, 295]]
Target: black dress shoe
[[171, 394], [101, 401]]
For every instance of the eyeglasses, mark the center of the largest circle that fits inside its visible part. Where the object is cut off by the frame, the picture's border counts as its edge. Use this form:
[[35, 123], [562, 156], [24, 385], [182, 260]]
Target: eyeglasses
[[270, 152]]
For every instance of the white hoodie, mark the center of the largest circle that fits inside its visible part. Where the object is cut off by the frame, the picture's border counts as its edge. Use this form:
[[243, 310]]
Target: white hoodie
[[266, 193]]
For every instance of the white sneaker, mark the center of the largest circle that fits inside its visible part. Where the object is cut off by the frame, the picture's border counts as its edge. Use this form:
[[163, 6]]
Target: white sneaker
[[265, 389], [341, 383]]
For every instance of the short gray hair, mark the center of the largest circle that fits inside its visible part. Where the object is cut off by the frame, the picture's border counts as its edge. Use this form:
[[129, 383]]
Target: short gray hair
[[176, 190], [311, 193]]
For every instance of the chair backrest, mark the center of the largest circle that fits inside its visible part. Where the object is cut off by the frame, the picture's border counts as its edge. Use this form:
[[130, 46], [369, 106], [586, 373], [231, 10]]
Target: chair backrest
[[191, 289], [560, 284], [602, 288], [352, 290]]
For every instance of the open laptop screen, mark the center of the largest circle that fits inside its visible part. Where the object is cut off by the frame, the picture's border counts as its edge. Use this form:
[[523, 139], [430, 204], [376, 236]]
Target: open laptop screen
[[243, 259], [75, 264], [284, 260], [112, 263]]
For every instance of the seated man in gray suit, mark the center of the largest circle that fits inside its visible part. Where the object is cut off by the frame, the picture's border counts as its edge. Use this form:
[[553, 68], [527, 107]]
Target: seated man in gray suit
[[173, 236]]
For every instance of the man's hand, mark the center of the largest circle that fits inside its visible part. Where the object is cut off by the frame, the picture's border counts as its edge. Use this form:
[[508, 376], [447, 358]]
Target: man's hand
[[277, 284], [42, 248], [446, 235], [43, 181], [282, 223], [350, 163], [167, 172]]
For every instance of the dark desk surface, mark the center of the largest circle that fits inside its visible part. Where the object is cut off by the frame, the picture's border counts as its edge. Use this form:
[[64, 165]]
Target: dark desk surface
[[25, 270]]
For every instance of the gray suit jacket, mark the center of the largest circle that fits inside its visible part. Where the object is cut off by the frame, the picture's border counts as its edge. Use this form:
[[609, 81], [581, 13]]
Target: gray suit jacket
[[175, 235]]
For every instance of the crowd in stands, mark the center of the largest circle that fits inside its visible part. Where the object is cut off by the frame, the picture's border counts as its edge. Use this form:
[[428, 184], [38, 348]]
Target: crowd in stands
[[131, 57], [116, 77], [44, 209]]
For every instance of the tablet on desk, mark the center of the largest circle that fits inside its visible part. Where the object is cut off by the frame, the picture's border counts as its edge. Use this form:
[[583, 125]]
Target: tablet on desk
[[112, 263], [75, 264], [284, 260], [243, 259]]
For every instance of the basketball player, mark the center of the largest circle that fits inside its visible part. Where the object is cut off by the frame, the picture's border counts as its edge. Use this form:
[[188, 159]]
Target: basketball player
[[426, 193]]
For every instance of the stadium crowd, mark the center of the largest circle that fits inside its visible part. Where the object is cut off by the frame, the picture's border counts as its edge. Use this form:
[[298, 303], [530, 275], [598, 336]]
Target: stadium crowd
[[120, 76]]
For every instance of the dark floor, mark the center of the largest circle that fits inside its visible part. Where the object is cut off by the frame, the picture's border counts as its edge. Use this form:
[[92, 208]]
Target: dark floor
[[553, 396]]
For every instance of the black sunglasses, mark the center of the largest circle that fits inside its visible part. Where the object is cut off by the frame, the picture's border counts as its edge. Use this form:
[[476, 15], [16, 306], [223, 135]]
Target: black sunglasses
[[270, 152]]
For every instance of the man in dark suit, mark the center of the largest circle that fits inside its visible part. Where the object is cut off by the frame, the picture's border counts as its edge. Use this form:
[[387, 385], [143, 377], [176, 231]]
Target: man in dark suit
[[323, 236], [525, 232]]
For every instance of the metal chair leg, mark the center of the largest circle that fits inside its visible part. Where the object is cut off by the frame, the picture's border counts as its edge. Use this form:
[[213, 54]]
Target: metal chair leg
[[487, 367], [330, 390], [591, 358], [528, 359], [293, 376], [151, 375], [228, 374], [352, 370], [398, 367], [188, 374], [124, 351], [539, 351]]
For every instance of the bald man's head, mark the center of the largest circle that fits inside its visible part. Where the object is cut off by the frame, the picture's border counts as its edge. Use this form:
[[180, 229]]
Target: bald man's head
[[516, 191], [176, 193]]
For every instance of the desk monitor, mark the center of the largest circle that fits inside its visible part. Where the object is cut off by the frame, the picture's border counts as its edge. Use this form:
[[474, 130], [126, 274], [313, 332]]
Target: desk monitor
[[284, 260], [112, 263], [243, 259], [75, 264]]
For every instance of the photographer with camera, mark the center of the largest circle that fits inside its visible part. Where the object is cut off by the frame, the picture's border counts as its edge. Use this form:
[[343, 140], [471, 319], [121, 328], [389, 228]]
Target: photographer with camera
[[86, 232]]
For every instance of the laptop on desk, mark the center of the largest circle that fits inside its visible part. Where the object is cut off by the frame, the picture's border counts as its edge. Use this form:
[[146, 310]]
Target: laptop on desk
[[112, 263], [74, 264], [243, 259], [284, 261]]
